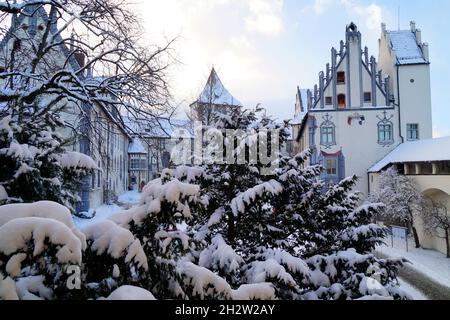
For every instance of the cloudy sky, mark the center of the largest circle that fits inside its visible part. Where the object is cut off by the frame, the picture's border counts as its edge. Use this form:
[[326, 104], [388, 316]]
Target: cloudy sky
[[263, 49]]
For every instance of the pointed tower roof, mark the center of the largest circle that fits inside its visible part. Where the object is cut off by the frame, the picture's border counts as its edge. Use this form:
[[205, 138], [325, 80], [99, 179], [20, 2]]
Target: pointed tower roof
[[215, 92]]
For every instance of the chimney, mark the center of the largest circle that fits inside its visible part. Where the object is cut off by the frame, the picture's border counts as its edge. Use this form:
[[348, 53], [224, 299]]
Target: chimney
[[412, 24], [418, 36], [383, 27]]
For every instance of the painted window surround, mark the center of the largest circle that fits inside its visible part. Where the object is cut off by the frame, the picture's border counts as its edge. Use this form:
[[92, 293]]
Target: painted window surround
[[328, 130]]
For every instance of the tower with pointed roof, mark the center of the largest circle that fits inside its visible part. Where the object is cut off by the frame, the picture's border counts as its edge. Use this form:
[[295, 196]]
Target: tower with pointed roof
[[214, 98]]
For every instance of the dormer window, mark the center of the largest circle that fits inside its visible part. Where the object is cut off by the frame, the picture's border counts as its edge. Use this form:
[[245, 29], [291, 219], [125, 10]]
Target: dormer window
[[341, 77]]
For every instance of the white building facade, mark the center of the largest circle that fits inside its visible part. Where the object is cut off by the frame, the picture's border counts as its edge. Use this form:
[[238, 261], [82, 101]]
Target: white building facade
[[363, 108]]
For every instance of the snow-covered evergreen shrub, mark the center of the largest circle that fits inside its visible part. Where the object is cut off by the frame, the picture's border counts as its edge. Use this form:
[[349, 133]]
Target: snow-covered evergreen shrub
[[309, 240], [113, 257], [158, 222], [35, 253], [33, 164]]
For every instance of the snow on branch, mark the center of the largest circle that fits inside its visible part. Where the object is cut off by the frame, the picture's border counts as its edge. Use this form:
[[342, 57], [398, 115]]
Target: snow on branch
[[16, 236], [108, 237], [41, 209], [76, 160], [265, 189]]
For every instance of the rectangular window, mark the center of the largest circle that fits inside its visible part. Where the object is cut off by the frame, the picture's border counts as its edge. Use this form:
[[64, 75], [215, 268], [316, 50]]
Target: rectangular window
[[134, 164], [384, 132], [341, 77], [328, 101], [331, 166], [367, 97], [327, 135], [412, 131]]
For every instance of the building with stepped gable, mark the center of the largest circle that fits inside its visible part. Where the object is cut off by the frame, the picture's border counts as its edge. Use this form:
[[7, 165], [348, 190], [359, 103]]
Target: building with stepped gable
[[362, 107]]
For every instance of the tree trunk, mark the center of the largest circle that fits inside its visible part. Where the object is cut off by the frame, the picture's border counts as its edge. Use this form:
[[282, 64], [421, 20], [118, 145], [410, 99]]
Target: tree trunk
[[413, 228], [416, 237], [447, 242]]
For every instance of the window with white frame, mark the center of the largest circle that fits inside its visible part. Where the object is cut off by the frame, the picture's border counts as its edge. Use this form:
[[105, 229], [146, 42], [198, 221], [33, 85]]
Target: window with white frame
[[385, 132], [412, 131], [330, 165], [327, 132]]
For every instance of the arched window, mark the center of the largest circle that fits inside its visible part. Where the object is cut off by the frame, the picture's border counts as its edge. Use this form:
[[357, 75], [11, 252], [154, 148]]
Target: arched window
[[341, 101]]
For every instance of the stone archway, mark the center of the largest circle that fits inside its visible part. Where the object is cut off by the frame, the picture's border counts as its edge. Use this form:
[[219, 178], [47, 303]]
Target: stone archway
[[433, 241]]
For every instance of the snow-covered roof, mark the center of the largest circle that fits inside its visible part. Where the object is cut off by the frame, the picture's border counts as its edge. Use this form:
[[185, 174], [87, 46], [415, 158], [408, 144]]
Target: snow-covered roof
[[304, 98], [215, 92], [34, 12], [406, 48], [158, 127], [416, 151], [299, 116], [136, 146]]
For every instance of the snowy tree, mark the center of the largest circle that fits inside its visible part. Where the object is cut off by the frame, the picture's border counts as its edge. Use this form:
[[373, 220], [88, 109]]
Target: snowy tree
[[113, 257], [167, 204], [436, 219], [82, 52], [287, 229], [34, 165], [70, 58], [401, 199]]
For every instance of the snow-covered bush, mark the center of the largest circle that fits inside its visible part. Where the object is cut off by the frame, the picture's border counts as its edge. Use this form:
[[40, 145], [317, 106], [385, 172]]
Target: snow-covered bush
[[41, 209], [39, 249], [113, 257], [130, 293], [166, 205]]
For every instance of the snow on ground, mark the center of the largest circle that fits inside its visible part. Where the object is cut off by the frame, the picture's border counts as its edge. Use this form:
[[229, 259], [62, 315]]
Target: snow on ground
[[103, 212], [412, 291], [130, 197], [432, 263]]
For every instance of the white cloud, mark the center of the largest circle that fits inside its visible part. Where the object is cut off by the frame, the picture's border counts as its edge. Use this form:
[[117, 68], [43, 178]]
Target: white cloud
[[265, 16], [371, 14], [320, 6], [219, 33]]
